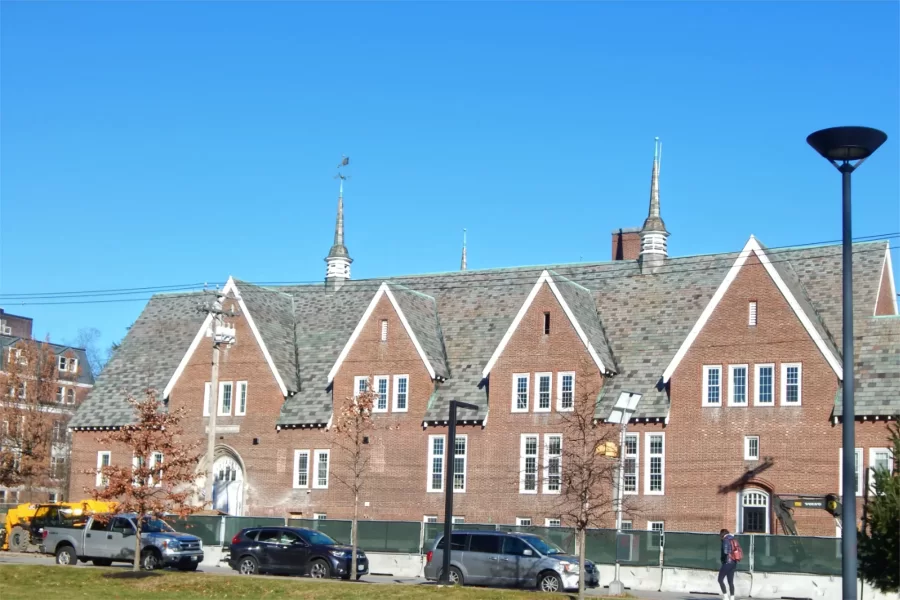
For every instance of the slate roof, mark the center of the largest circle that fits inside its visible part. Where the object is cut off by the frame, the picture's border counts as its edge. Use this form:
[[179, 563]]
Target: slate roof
[[85, 375], [876, 369], [639, 322]]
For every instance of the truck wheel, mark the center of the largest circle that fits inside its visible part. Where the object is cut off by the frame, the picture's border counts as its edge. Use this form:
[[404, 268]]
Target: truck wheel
[[65, 555], [149, 560], [319, 569], [18, 539]]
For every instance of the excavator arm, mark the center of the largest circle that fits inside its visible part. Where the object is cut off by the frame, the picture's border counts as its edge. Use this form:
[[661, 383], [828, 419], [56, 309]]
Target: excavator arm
[[785, 505]]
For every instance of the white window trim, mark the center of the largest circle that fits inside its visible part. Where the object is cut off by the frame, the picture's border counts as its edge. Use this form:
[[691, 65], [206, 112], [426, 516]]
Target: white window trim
[[752, 313], [647, 462], [870, 472], [521, 522], [522, 438], [429, 519], [376, 394], [784, 368], [316, 484], [207, 389], [756, 384], [747, 439], [537, 392], [515, 392], [637, 465], [320, 516], [296, 476], [384, 330], [546, 484], [395, 391], [559, 388], [552, 522], [100, 476], [457, 520], [356, 381], [731, 400], [465, 465], [704, 400], [630, 524], [650, 525], [240, 387], [221, 398], [73, 365], [431, 457], [857, 456], [62, 363]]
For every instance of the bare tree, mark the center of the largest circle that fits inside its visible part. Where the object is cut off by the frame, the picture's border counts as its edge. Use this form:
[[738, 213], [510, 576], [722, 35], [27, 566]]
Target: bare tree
[[28, 399], [88, 338], [163, 475], [351, 434]]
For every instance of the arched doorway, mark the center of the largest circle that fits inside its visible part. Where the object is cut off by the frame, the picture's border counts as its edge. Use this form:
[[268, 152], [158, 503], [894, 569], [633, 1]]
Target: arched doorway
[[228, 488], [753, 511]]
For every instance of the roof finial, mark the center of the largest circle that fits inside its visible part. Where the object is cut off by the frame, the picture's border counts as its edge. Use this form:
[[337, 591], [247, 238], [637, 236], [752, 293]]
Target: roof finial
[[654, 221], [338, 259], [462, 265], [654, 248]]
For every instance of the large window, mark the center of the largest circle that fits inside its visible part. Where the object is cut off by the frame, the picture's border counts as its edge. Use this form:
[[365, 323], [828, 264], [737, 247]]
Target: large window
[[241, 409], [630, 475], [765, 385], [542, 391], [401, 393], [655, 467], [737, 385], [712, 386], [301, 469], [459, 464], [552, 463], [104, 459], [225, 397], [754, 514], [528, 464], [381, 391], [880, 459], [566, 400], [321, 469], [858, 471], [791, 384], [520, 392], [435, 463]]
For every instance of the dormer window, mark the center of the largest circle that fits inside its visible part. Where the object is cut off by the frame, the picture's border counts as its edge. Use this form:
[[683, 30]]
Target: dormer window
[[546, 323]]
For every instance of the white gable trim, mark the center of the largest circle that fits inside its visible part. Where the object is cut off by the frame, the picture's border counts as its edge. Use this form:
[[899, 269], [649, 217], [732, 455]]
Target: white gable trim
[[544, 278], [754, 247], [230, 287], [383, 290], [886, 267]]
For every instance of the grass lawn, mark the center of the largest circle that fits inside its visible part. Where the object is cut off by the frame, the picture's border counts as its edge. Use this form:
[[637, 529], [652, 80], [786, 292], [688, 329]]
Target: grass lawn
[[26, 582]]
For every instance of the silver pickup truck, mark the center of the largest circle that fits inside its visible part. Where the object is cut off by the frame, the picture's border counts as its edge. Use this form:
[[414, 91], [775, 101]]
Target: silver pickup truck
[[111, 539]]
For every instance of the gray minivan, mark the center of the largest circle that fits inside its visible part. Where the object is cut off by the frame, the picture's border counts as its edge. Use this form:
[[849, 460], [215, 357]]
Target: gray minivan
[[497, 558]]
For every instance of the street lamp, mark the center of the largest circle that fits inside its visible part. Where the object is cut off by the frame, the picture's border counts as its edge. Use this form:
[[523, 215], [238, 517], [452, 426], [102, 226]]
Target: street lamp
[[625, 406], [450, 460], [840, 146]]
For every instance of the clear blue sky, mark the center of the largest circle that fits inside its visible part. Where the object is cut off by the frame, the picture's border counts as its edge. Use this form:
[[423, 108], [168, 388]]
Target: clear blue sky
[[162, 143]]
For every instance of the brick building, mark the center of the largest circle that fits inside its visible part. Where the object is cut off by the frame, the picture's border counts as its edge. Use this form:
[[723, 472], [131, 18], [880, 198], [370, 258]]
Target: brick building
[[736, 355]]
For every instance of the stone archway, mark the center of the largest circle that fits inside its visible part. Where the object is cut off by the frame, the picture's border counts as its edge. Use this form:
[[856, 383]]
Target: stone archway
[[228, 487]]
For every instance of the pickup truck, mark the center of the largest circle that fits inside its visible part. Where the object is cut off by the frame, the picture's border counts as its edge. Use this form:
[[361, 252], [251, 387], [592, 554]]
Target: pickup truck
[[108, 539]]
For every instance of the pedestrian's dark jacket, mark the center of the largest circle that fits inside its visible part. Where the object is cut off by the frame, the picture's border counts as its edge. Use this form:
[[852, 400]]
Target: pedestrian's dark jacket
[[726, 549]]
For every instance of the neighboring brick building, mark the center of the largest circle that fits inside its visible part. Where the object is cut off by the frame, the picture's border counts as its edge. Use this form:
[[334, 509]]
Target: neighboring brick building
[[737, 356]]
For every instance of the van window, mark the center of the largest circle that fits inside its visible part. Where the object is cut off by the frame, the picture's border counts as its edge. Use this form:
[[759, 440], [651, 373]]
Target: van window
[[515, 546], [457, 542], [485, 543], [269, 536]]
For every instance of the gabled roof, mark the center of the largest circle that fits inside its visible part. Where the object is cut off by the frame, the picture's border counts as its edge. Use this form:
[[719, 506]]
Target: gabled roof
[[421, 312], [583, 318], [876, 369], [789, 286]]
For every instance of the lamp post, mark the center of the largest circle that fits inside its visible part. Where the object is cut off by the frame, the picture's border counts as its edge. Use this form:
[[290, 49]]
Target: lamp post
[[625, 406], [841, 146], [449, 460]]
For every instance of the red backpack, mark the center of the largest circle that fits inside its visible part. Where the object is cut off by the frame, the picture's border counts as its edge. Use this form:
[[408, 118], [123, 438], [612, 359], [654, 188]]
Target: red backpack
[[736, 553]]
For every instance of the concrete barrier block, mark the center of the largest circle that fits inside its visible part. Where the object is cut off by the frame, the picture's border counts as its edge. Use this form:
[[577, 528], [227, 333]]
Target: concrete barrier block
[[704, 582], [396, 565]]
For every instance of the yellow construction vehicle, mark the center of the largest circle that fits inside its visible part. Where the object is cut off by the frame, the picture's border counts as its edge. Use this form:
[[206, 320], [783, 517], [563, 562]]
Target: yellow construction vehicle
[[24, 522]]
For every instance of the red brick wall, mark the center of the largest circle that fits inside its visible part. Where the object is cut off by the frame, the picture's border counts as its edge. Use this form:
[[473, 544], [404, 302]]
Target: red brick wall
[[626, 245]]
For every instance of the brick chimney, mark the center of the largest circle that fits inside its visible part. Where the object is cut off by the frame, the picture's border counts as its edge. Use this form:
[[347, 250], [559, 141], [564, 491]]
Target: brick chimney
[[626, 243]]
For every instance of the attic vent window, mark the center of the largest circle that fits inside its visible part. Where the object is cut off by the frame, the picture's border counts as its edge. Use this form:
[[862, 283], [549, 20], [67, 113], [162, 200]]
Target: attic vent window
[[546, 323], [384, 330], [752, 315]]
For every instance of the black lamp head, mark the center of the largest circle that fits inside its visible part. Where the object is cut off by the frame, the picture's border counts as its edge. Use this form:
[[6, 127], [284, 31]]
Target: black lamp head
[[846, 143]]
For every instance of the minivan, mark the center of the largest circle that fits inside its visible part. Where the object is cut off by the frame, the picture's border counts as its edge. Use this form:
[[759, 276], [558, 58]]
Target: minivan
[[496, 558]]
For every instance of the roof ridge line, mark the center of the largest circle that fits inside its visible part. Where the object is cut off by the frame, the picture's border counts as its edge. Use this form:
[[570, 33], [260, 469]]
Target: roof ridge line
[[410, 290]]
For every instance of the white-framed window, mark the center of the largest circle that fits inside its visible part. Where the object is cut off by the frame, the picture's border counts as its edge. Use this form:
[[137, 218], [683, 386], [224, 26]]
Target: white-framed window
[[436, 447], [566, 387], [459, 463], [879, 458], [58, 432], [457, 520], [751, 447], [791, 384], [53, 496], [361, 384], [765, 385], [241, 408], [301, 469], [523, 521], [655, 467], [384, 330], [858, 471], [552, 463], [528, 463], [104, 459], [430, 519], [401, 393], [632, 463], [657, 528], [321, 469], [753, 512], [73, 365], [381, 394], [70, 396], [737, 385], [226, 398], [542, 391], [751, 314], [627, 525], [156, 459], [320, 516], [63, 363], [57, 467], [207, 387], [552, 522], [60, 394], [712, 385], [520, 392]]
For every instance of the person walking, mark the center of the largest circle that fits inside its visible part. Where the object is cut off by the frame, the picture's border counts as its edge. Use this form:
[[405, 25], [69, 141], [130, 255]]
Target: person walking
[[730, 558]]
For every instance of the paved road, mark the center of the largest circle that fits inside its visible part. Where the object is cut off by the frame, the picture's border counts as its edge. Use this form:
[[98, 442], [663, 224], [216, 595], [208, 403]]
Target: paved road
[[40, 559]]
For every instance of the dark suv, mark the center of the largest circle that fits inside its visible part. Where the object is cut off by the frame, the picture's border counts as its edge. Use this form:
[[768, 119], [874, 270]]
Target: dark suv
[[293, 550]]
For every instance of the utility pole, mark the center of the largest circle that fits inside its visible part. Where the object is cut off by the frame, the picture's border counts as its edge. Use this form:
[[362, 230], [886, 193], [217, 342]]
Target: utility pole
[[450, 462], [220, 335], [625, 406]]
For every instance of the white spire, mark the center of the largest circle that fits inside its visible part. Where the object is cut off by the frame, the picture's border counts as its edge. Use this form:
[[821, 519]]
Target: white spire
[[462, 265]]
